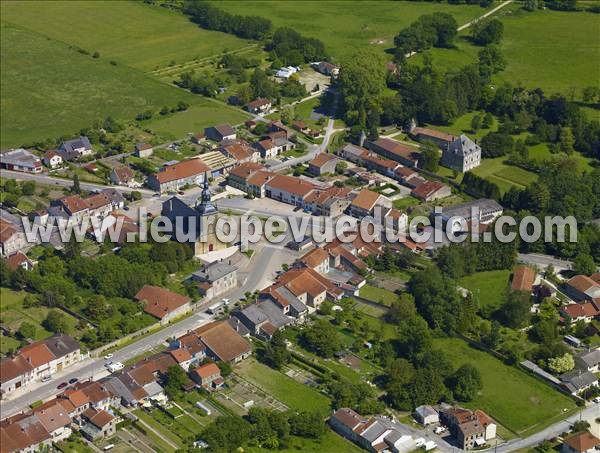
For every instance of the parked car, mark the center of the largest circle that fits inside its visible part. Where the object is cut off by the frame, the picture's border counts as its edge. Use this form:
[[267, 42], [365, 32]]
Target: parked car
[[108, 356], [46, 378], [62, 385], [73, 380]]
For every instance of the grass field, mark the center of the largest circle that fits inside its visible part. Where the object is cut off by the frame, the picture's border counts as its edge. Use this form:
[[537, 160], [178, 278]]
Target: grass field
[[291, 393], [488, 287], [50, 90], [516, 400], [134, 34], [505, 176], [12, 314], [379, 295], [547, 49], [204, 113], [345, 29]]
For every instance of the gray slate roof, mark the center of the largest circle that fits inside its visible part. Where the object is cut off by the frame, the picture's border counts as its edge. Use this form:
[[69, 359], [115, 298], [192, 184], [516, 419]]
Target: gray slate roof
[[590, 358], [578, 380], [213, 271]]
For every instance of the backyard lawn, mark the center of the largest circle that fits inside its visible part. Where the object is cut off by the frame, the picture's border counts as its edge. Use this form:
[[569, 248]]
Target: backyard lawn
[[379, 295], [516, 400], [13, 314], [291, 393], [487, 287]]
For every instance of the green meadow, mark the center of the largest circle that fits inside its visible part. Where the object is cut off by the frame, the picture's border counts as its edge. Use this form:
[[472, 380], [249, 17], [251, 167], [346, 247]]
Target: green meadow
[[346, 27]]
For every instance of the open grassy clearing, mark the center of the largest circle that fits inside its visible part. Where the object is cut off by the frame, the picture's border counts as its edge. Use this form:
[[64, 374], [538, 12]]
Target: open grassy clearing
[[516, 400], [138, 35], [548, 49], [204, 113], [346, 28], [285, 389], [50, 90], [487, 287], [379, 295], [13, 314], [505, 176]]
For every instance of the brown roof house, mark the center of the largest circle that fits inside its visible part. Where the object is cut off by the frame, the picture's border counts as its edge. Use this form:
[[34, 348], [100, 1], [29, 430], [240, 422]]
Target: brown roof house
[[207, 376], [322, 164], [98, 424], [123, 176], [581, 288], [431, 190], [391, 149], [365, 201], [583, 442], [173, 177], [289, 189], [220, 132], [162, 303], [471, 429], [223, 343], [12, 238], [523, 279], [258, 106], [37, 360]]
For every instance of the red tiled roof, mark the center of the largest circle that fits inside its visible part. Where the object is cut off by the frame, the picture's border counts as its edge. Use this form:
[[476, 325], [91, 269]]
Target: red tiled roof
[[260, 178], [37, 354], [207, 370], [291, 184], [160, 301], [244, 170], [321, 159], [396, 148], [223, 341], [180, 355], [315, 257], [74, 203], [15, 260], [427, 189], [523, 279], [181, 170], [587, 309], [582, 442], [124, 174], [366, 199], [7, 229], [582, 283], [258, 103], [433, 133]]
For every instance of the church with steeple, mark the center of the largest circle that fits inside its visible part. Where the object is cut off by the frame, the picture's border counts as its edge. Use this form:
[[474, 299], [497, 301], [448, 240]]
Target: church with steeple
[[195, 225]]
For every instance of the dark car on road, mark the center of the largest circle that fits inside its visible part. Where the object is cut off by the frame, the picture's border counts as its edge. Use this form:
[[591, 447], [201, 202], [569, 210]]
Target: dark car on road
[[62, 385], [73, 380]]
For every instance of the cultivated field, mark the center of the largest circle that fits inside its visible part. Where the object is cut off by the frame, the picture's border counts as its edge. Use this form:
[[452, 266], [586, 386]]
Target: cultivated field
[[516, 400], [137, 35], [293, 394], [345, 28]]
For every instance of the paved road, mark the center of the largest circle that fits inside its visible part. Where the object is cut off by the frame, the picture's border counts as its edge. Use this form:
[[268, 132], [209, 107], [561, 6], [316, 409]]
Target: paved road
[[489, 13], [262, 269], [543, 261], [51, 180]]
